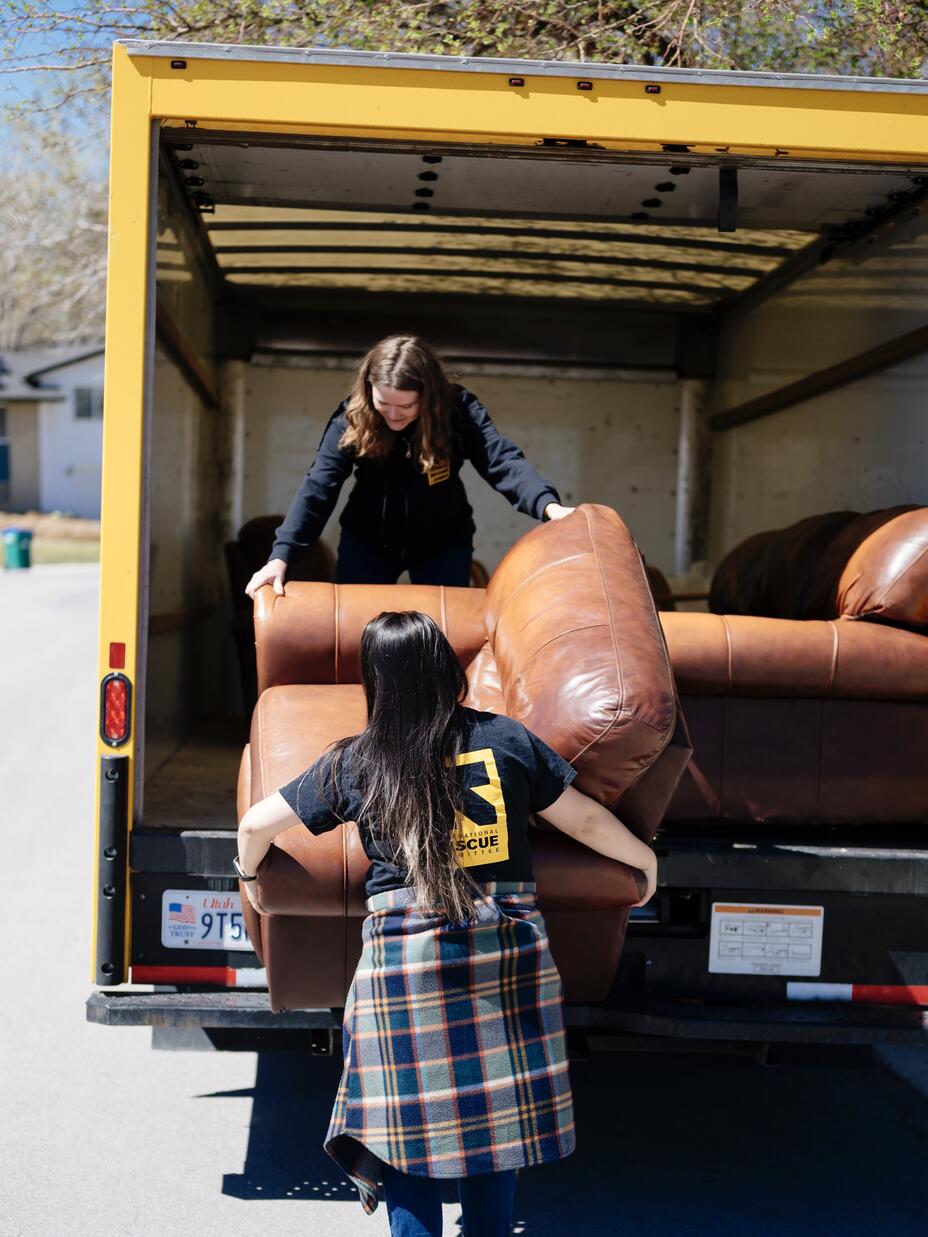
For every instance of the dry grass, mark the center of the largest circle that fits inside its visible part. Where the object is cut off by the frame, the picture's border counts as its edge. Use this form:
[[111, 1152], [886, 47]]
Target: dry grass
[[53, 525], [65, 550], [57, 538]]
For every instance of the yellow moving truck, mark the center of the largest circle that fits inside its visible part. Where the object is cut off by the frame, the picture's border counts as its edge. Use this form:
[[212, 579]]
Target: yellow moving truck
[[698, 297]]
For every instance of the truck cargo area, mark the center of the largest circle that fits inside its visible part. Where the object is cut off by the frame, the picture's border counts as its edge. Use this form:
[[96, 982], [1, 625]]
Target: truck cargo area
[[583, 291]]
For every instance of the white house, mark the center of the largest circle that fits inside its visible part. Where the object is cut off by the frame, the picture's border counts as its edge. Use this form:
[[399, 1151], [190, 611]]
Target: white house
[[51, 429]]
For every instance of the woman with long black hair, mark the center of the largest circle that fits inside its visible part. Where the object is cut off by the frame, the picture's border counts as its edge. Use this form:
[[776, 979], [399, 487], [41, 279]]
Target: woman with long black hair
[[454, 1055], [405, 431]]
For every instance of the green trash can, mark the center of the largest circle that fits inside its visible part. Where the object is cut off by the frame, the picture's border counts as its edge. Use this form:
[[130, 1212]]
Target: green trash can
[[17, 548]]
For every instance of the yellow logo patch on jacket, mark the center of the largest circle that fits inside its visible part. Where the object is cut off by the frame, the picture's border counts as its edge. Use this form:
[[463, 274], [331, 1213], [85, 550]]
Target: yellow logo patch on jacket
[[483, 843], [441, 472]]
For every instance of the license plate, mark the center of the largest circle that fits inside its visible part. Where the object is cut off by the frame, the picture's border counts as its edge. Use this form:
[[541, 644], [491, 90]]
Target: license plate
[[202, 919]]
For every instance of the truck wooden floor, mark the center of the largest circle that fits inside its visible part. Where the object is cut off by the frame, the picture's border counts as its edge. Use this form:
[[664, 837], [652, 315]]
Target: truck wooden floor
[[195, 787]]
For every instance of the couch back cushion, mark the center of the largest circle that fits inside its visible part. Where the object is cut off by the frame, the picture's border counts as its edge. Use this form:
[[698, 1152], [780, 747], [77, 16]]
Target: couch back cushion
[[778, 573], [577, 650], [886, 576], [842, 564], [313, 633]]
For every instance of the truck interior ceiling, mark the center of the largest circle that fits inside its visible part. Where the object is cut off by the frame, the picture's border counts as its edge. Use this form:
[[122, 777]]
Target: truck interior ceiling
[[712, 345]]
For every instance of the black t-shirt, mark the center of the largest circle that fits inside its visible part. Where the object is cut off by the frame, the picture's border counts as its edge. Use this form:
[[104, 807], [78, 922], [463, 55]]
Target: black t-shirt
[[507, 773]]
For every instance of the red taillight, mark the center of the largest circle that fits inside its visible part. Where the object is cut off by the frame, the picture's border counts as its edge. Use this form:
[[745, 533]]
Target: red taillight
[[115, 713], [115, 701]]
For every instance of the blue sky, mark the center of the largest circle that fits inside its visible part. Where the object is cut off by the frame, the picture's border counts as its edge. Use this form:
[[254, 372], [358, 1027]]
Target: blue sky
[[19, 89]]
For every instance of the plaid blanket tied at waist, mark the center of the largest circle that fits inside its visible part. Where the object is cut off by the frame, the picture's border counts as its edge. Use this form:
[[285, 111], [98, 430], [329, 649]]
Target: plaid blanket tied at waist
[[455, 1060]]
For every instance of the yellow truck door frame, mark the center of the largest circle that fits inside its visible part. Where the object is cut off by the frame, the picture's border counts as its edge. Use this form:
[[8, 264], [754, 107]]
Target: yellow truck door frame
[[400, 98], [130, 306]]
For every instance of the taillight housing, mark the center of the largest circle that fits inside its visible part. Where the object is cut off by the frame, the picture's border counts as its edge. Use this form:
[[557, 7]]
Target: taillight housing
[[115, 709]]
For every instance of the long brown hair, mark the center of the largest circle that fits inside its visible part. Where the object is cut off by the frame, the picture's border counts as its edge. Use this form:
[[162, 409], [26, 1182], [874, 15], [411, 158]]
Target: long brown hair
[[402, 363], [403, 762]]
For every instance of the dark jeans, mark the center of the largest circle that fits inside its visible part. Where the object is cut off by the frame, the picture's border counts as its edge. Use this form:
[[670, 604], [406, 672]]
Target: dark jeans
[[362, 564], [414, 1203]]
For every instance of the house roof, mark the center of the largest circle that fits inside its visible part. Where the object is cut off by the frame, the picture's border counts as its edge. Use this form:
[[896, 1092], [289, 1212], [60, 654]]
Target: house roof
[[24, 372]]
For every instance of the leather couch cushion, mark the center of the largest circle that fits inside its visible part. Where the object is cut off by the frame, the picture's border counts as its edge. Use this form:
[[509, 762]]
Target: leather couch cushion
[[579, 651], [313, 633], [886, 577], [291, 727], [484, 690], [739, 655]]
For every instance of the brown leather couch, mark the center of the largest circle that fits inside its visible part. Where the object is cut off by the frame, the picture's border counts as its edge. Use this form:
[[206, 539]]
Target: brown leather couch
[[244, 555], [565, 638], [806, 691]]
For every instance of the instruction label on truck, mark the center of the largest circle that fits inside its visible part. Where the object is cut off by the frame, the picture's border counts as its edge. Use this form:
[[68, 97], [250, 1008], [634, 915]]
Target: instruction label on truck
[[757, 938]]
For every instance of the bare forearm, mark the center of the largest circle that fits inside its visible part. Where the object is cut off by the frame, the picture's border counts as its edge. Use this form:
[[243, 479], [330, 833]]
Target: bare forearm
[[258, 828], [608, 836], [589, 822], [252, 848]]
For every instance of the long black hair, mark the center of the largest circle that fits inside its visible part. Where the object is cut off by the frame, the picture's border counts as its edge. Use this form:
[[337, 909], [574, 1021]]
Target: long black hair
[[404, 760]]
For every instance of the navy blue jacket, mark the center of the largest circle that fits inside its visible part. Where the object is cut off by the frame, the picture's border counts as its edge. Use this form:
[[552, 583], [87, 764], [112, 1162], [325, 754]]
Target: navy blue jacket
[[399, 510]]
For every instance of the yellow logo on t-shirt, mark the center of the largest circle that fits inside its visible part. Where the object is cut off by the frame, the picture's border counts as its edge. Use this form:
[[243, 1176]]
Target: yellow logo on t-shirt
[[483, 843], [441, 472]]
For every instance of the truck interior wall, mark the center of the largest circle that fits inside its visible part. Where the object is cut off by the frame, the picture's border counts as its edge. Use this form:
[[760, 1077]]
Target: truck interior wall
[[187, 599], [190, 662], [859, 447], [605, 440]]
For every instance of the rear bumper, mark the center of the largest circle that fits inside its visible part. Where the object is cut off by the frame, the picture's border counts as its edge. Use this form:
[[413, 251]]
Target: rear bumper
[[874, 891], [821, 1023], [201, 1009]]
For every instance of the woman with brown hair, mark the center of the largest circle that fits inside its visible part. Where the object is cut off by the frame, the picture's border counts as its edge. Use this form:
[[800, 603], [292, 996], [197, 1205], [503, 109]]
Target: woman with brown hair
[[405, 432]]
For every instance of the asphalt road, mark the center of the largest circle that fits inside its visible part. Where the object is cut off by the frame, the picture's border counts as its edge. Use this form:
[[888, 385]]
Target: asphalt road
[[100, 1135]]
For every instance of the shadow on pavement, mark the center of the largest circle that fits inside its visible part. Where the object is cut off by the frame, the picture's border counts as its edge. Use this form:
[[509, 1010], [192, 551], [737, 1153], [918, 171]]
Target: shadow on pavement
[[721, 1146]]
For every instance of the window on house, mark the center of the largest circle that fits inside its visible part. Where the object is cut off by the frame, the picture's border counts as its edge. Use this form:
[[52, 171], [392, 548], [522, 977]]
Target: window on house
[[88, 403]]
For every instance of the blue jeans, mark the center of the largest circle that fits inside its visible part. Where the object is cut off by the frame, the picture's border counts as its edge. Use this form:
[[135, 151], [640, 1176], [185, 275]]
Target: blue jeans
[[362, 564], [414, 1203]]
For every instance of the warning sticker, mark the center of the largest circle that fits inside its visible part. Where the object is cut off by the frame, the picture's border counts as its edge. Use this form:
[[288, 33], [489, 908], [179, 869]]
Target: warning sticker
[[758, 938]]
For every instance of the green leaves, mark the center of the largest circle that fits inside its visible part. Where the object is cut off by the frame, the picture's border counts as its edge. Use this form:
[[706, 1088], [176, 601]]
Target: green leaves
[[71, 42]]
